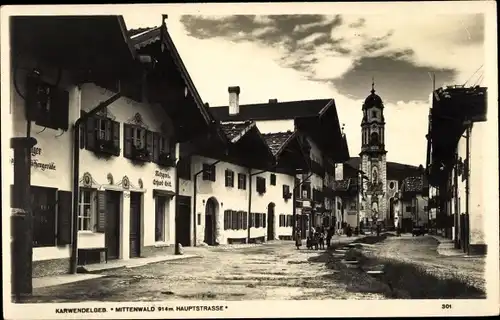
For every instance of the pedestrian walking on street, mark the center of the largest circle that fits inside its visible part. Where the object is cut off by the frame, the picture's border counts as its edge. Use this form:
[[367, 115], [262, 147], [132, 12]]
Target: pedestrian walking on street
[[298, 240], [329, 235], [321, 240]]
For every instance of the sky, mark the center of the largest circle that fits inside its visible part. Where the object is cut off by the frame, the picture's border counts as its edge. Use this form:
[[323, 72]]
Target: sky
[[299, 57]]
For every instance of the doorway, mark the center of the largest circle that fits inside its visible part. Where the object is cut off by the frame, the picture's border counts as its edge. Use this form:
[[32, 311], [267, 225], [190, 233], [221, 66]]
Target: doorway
[[112, 235], [135, 224], [183, 220], [210, 219], [270, 222]]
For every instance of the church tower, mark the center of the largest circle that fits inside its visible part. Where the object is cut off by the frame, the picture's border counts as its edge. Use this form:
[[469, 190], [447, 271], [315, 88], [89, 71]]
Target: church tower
[[373, 159]]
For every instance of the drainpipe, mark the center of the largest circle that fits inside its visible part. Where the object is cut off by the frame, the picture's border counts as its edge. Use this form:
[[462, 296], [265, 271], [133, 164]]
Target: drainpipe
[[76, 174], [195, 192]]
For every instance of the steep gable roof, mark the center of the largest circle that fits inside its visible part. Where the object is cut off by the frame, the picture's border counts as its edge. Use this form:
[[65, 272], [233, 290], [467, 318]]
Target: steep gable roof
[[235, 130], [277, 141]]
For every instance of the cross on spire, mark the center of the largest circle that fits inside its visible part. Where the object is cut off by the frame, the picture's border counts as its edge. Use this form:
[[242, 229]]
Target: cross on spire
[[373, 85]]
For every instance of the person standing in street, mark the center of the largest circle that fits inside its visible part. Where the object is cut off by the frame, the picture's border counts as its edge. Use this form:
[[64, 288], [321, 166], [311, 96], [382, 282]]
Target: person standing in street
[[298, 240]]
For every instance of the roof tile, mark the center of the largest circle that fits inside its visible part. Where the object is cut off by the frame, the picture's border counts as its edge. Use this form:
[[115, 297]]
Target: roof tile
[[276, 140], [232, 129]]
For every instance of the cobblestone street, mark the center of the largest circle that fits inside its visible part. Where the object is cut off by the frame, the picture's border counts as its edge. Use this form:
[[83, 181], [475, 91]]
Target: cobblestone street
[[270, 271], [276, 271]]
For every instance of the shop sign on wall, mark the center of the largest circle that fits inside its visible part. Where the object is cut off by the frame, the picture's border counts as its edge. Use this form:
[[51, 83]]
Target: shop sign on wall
[[162, 179], [36, 163]]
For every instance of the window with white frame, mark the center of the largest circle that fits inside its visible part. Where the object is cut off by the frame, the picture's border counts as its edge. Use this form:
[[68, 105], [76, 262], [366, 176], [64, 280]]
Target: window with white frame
[[86, 212], [139, 137]]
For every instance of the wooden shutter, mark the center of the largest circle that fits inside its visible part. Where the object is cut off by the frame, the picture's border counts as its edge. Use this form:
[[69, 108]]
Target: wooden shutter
[[115, 131], [225, 220], [264, 220], [213, 175], [245, 221], [59, 109], [149, 144], [206, 172], [156, 147], [101, 211], [240, 220], [64, 211], [90, 129], [234, 220], [171, 146], [127, 140], [226, 172]]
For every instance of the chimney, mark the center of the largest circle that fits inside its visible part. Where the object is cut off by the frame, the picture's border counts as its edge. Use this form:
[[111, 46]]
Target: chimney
[[234, 100], [273, 100]]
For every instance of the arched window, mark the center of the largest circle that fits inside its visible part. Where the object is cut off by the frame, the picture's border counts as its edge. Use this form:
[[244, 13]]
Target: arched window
[[374, 139]]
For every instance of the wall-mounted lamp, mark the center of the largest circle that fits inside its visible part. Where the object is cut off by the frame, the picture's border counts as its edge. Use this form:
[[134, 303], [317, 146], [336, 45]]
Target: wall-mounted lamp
[[221, 204], [203, 202]]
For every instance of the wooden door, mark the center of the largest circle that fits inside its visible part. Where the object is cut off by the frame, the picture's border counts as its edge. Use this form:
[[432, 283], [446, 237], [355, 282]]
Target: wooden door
[[183, 220], [270, 222], [135, 224], [209, 222], [112, 238]]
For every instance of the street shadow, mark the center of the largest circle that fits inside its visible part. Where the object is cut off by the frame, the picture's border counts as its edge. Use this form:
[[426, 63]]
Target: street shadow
[[396, 280], [406, 280]]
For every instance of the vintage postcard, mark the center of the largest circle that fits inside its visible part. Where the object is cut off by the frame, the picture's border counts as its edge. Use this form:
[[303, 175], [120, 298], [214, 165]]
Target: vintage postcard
[[250, 160]]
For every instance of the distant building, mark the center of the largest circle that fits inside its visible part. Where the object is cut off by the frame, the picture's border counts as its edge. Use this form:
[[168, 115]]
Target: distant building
[[411, 204], [315, 128], [368, 184]]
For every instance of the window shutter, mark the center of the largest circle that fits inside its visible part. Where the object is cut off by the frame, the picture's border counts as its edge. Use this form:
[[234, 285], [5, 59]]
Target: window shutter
[[64, 210], [234, 220], [127, 140], [90, 129], [156, 147], [264, 220], [101, 211], [59, 108], [149, 144], [213, 173], [240, 220], [116, 136], [225, 220], [206, 172], [171, 147], [226, 172], [245, 221]]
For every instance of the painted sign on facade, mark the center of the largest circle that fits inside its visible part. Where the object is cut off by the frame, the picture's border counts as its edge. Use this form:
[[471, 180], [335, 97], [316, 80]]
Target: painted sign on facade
[[162, 179]]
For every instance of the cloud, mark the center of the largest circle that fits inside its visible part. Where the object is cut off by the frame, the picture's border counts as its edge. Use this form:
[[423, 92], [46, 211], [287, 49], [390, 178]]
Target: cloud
[[310, 57]]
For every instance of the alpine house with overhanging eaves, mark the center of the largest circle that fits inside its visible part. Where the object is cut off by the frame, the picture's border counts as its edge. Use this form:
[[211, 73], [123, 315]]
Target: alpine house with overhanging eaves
[[56, 61], [244, 193], [116, 109], [456, 166], [321, 142]]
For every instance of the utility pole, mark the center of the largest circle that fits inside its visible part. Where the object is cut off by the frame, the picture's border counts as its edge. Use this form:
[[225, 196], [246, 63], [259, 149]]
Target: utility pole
[[22, 218]]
